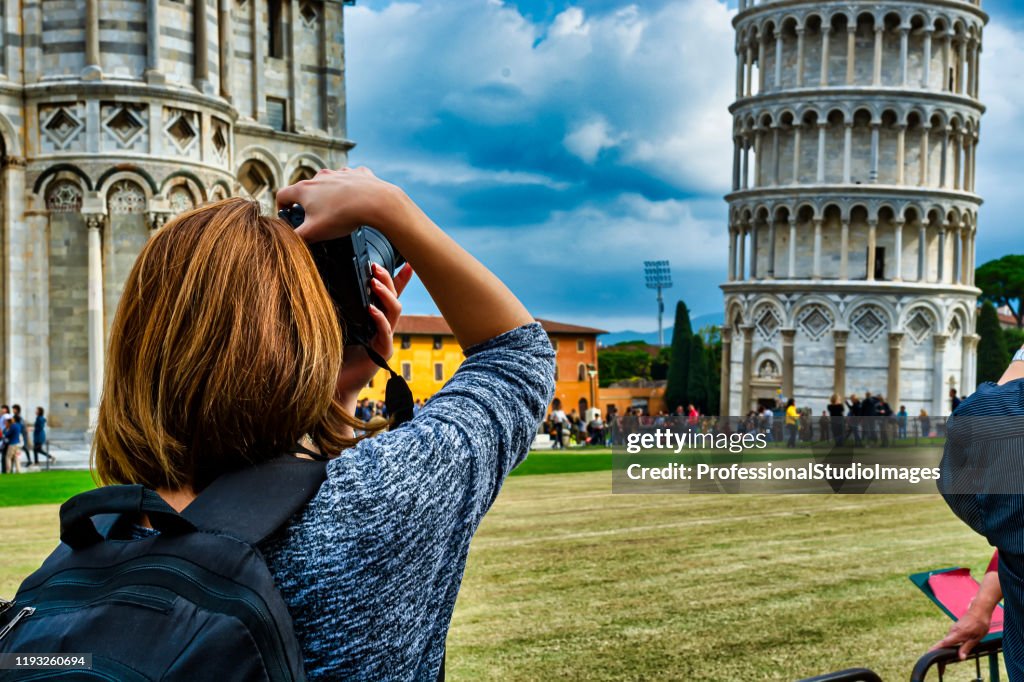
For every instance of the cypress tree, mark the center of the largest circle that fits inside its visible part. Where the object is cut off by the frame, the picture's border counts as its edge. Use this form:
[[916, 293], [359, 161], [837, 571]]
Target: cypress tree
[[679, 359], [713, 362], [992, 353], [697, 381]]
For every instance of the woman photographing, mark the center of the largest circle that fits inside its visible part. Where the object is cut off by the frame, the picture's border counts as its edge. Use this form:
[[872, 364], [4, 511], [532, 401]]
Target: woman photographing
[[226, 351]]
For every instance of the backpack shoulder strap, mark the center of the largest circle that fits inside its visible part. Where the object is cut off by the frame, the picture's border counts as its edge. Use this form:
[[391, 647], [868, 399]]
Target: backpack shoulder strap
[[251, 503]]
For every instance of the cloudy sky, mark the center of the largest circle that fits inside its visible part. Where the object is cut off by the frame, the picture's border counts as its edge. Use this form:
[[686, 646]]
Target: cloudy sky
[[565, 142]]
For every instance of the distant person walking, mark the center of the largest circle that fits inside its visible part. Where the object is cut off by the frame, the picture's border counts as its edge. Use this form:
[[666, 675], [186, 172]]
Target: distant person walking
[[558, 422], [39, 438], [926, 424], [901, 420], [835, 413], [5, 419], [954, 400], [792, 420], [15, 437]]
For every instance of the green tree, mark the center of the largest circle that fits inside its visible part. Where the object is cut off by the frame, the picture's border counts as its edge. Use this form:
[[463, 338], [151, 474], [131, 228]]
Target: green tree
[[1014, 339], [697, 380], [659, 365], [713, 361], [1002, 282], [679, 359], [992, 354], [621, 362]]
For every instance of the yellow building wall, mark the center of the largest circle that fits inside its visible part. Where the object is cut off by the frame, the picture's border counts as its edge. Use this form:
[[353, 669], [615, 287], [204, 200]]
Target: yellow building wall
[[421, 357]]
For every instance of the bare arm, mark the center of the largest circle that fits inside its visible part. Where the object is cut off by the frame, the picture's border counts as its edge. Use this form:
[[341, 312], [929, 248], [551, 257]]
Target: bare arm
[[475, 303], [1014, 371], [974, 625]]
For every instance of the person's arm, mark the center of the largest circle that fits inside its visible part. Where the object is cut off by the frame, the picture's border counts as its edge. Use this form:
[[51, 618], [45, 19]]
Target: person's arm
[[337, 202], [974, 624], [1013, 372]]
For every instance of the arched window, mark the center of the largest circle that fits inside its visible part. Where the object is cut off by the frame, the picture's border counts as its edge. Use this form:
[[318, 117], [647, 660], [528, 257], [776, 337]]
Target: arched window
[[581, 372]]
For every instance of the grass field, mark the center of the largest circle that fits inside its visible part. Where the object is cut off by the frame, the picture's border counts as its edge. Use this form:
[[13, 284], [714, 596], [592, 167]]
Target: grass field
[[567, 581]]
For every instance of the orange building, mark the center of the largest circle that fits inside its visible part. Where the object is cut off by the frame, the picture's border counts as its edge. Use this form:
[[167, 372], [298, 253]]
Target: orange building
[[427, 354]]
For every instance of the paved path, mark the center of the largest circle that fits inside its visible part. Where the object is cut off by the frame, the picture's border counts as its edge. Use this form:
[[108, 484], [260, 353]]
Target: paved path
[[71, 451]]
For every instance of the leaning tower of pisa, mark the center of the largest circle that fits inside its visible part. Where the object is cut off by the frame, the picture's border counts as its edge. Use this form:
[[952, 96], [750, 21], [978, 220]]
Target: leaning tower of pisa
[[115, 115], [853, 211]]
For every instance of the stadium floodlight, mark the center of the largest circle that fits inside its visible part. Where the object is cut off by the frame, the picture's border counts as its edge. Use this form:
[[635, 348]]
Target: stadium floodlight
[[658, 275]]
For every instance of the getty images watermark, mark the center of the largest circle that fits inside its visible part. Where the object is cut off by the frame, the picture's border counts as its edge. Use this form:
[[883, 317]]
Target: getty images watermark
[[830, 455]]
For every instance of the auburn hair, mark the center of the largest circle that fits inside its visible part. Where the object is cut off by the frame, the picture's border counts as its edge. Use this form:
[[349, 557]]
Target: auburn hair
[[225, 351]]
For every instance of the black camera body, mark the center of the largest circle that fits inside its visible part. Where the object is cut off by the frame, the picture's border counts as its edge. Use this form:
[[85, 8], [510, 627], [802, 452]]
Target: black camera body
[[345, 266]]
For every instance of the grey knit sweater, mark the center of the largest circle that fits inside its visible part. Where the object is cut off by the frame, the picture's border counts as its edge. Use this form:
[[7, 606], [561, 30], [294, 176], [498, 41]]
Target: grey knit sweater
[[371, 568]]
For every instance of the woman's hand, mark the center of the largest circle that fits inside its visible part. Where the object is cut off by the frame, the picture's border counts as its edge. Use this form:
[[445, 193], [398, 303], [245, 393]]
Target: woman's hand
[[357, 369], [338, 202], [967, 632]]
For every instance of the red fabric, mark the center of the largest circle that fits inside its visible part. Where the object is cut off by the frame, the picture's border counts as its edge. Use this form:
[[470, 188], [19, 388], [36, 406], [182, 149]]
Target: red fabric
[[955, 590], [994, 564]]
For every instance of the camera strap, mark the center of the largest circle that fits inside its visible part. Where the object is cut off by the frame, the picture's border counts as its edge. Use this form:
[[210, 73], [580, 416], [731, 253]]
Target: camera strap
[[397, 394]]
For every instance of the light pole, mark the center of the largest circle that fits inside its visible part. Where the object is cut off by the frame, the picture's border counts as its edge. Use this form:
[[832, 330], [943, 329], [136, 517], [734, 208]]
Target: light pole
[[592, 373], [658, 275]]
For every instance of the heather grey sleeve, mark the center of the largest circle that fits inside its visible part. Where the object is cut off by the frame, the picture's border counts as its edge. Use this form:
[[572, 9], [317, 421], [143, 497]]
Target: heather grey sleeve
[[372, 568]]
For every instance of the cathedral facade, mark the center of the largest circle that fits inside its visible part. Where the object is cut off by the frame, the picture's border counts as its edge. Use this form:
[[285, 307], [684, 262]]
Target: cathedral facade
[[116, 115], [853, 211]]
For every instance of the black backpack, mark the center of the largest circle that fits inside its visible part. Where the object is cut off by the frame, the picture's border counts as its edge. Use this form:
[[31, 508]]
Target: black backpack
[[195, 602]]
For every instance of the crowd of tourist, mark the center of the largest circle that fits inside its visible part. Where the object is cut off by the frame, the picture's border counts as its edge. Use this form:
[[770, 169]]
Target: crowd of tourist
[[867, 421], [18, 438]]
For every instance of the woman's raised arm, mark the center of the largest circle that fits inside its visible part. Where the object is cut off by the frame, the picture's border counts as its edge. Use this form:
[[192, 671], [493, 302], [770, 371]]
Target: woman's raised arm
[[475, 303]]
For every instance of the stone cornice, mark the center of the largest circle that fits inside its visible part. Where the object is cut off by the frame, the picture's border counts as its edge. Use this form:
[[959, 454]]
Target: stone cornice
[[61, 89], [856, 95], [856, 287], [320, 140], [768, 8], [816, 193]]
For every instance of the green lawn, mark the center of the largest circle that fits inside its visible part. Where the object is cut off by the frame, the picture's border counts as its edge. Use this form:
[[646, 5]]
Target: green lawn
[[568, 581], [43, 487]]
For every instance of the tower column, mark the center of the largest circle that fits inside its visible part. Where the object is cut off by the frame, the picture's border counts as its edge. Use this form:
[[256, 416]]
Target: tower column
[[942, 254], [968, 381], [748, 371], [877, 75], [792, 247], [732, 253], [901, 154], [740, 64], [844, 249], [761, 76], [758, 161], [898, 248], [753, 249], [777, 84], [726, 373], [93, 70], [745, 172], [750, 71], [892, 395], [944, 160], [926, 71], [873, 175], [955, 246], [825, 32], [816, 272], [847, 150], [202, 47], [740, 262], [94, 224], [939, 376], [797, 130], [924, 157], [787, 361], [776, 157], [872, 242], [851, 53], [822, 128], [153, 73], [961, 69], [771, 249], [922, 251], [839, 337], [904, 55], [224, 32], [800, 57]]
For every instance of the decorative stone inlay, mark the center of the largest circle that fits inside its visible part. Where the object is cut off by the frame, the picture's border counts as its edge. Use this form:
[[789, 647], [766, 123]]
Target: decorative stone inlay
[[768, 323], [126, 197], [869, 323], [309, 14], [919, 325], [180, 200], [182, 129], [220, 139], [61, 126], [815, 322], [768, 370], [125, 124], [64, 196]]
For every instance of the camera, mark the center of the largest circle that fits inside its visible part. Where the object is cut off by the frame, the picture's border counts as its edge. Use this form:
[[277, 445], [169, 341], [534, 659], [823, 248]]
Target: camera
[[345, 267]]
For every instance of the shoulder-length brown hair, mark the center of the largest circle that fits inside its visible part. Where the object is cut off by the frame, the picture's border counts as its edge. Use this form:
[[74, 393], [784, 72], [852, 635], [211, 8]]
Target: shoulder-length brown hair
[[225, 350]]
